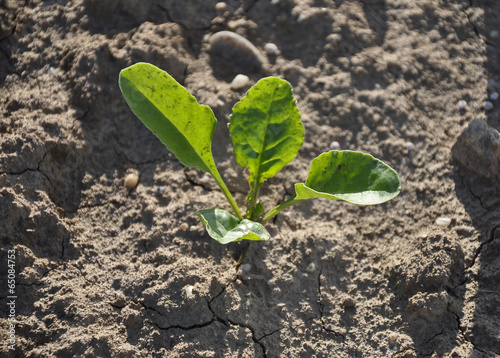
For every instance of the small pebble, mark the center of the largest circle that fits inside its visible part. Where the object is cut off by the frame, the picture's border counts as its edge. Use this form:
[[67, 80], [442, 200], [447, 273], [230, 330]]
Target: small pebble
[[220, 6], [334, 145], [271, 49], [494, 96], [311, 267], [392, 339], [239, 82], [189, 291], [246, 267], [204, 179], [462, 104], [494, 34], [487, 105], [378, 86], [220, 103], [348, 302], [491, 83], [443, 221], [184, 226], [131, 180], [409, 145], [52, 70], [301, 18], [161, 190]]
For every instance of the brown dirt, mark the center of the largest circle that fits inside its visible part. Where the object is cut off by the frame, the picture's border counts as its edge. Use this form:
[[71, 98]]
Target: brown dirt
[[102, 271]]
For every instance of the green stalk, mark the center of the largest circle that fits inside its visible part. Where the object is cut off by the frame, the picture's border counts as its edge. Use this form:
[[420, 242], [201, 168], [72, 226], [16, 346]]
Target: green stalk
[[252, 199], [280, 207], [227, 194]]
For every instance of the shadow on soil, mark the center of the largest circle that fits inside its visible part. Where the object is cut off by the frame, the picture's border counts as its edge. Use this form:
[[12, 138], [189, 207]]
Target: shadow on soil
[[478, 197]]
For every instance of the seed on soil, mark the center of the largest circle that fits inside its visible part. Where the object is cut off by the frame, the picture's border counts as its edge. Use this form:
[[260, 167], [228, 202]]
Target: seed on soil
[[239, 82], [193, 228], [462, 104], [409, 145], [443, 221], [131, 180], [334, 145], [271, 49], [246, 267], [189, 291], [220, 6], [184, 226], [494, 96], [487, 105]]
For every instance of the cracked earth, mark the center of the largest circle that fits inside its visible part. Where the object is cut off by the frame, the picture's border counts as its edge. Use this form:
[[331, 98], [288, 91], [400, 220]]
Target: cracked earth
[[103, 270]]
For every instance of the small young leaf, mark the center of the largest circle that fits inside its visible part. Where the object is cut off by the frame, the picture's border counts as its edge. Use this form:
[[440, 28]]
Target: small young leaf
[[354, 177], [226, 228], [266, 130]]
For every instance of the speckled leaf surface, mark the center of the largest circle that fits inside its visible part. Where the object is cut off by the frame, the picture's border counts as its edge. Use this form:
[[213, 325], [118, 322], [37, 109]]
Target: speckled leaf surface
[[266, 129], [354, 177], [171, 113]]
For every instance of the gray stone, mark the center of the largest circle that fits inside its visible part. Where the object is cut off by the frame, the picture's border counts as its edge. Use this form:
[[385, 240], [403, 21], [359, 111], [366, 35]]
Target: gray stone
[[478, 149]]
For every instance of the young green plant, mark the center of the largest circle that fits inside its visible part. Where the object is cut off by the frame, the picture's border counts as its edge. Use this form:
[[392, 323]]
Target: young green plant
[[267, 134]]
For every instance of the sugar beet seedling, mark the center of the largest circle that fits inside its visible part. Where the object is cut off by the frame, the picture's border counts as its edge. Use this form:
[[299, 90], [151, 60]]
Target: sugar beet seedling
[[267, 134]]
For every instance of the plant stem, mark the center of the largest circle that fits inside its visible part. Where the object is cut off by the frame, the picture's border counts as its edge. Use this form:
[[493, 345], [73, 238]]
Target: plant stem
[[279, 208], [227, 194], [252, 199]]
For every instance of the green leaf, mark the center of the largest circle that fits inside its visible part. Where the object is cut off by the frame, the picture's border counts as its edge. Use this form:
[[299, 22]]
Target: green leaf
[[226, 228], [174, 116], [354, 177], [266, 132], [171, 113]]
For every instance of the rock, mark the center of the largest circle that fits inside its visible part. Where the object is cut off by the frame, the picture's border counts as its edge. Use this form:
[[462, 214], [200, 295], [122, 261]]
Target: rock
[[271, 49], [488, 106], [231, 53], [443, 221], [478, 149], [239, 82], [131, 180]]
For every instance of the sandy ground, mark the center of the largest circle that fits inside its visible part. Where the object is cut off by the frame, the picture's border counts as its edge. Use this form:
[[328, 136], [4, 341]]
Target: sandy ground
[[104, 271]]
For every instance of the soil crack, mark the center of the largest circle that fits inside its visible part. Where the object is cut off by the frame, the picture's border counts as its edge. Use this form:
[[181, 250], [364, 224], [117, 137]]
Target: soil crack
[[321, 307]]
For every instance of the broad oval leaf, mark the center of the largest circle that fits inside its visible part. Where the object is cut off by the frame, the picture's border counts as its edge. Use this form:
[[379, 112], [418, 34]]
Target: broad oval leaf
[[226, 228], [354, 177], [171, 113], [266, 129]]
